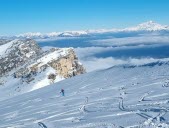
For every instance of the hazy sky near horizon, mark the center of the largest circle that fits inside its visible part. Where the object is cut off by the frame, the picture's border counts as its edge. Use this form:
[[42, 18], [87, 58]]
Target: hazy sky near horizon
[[20, 16]]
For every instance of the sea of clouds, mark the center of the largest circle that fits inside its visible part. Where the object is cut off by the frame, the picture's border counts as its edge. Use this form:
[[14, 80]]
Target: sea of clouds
[[101, 53]]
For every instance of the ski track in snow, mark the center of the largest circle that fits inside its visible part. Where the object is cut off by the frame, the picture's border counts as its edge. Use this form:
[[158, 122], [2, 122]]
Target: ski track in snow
[[112, 98]]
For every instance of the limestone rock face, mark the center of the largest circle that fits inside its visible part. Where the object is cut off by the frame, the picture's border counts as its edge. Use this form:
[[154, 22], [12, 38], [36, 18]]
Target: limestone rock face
[[68, 66]]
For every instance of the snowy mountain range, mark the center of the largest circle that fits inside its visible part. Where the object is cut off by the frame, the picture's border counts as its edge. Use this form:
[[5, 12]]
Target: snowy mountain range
[[147, 26], [52, 34]]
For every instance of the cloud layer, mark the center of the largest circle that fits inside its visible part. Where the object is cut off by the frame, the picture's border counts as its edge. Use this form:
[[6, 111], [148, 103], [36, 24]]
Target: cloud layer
[[104, 51], [92, 62]]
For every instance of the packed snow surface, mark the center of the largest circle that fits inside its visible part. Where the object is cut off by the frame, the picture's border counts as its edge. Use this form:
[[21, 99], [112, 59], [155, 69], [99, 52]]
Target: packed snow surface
[[123, 96]]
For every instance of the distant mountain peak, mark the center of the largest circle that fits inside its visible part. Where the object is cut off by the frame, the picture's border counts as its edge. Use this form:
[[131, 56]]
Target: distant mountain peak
[[148, 26]]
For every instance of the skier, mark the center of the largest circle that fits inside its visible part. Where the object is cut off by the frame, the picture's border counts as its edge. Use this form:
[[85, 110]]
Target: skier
[[63, 92], [14, 75]]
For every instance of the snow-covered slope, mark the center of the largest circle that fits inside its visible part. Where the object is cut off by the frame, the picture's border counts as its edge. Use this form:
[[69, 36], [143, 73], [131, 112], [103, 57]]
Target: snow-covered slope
[[25, 67], [126, 96]]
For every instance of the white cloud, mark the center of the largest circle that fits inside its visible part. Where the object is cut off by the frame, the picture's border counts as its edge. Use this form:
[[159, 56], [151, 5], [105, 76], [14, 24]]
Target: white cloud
[[92, 64], [140, 40], [46, 48], [87, 55]]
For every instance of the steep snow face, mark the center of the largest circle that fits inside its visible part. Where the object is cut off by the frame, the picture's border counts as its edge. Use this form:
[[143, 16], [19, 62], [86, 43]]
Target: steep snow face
[[127, 97], [6, 47], [42, 79]]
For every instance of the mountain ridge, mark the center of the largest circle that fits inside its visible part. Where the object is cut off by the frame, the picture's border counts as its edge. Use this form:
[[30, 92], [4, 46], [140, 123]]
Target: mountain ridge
[[148, 26], [24, 66]]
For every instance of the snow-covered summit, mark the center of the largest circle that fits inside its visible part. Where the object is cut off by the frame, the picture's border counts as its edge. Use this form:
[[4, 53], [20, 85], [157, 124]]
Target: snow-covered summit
[[148, 26], [73, 33]]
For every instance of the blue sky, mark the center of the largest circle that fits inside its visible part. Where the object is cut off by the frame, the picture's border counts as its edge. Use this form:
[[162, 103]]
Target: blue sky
[[20, 16]]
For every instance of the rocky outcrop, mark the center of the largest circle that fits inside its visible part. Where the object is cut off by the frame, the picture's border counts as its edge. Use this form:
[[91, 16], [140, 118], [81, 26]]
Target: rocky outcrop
[[67, 66], [25, 60]]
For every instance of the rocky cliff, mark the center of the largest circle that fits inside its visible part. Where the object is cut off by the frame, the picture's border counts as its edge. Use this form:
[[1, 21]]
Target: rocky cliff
[[63, 61], [68, 65], [23, 62]]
